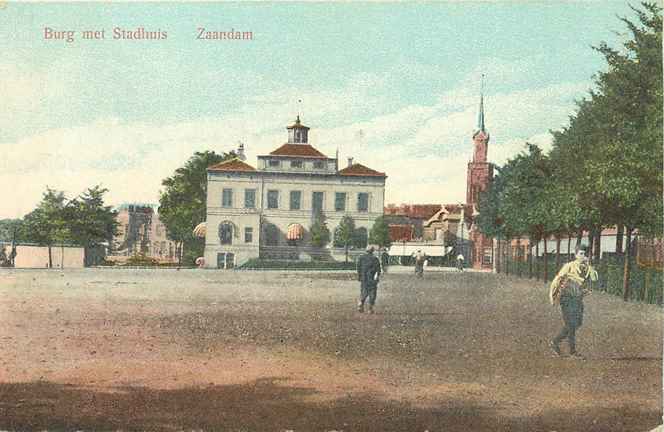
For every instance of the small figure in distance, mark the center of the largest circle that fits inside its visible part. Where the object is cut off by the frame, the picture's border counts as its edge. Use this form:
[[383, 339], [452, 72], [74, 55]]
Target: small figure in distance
[[459, 262], [420, 258], [384, 260]]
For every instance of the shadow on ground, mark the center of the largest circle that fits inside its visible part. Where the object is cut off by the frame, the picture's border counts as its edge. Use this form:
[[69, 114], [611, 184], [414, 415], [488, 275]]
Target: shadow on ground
[[271, 405]]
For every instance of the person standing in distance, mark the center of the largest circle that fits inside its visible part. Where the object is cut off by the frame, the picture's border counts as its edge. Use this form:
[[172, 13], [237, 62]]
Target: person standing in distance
[[568, 289], [459, 260], [384, 260], [420, 258], [368, 273]]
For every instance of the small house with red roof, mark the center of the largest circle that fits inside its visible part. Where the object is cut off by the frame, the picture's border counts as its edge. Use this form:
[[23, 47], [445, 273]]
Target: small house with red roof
[[267, 211]]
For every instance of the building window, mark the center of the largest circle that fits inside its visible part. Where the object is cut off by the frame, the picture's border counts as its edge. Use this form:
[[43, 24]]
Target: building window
[[317, 199], [296, 164], [363, 202], [272, 199], [274, 163], [319, 164], [227, 198], [250, 198], [295, 200], [340, 201], [248, 235], [486, 256], [226, 233]]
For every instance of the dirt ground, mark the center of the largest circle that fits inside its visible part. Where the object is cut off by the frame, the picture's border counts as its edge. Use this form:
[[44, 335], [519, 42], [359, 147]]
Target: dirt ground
[[249, 351]]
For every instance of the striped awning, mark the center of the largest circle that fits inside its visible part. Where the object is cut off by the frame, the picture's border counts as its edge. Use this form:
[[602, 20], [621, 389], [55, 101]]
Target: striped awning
[[200, 230], [295, 232]]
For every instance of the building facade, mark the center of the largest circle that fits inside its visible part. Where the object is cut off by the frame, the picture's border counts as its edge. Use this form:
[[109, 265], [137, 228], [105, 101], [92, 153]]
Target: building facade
[[444, 224], [140, 232], [267, 211], [406, 221]]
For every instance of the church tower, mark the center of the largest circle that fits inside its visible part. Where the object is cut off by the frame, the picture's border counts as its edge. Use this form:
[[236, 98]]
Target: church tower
[[479, 176], [480, 172]]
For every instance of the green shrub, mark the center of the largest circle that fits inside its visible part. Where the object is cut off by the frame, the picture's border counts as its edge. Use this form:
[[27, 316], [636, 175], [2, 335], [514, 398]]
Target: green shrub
[[141, 260]]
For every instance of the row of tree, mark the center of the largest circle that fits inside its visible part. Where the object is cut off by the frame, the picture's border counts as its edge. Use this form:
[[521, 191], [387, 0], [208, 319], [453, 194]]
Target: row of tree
[[605, 167], [347, 236], [84, 221]]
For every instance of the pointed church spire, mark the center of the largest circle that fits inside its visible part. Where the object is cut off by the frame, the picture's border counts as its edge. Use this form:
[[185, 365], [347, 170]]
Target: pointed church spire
[[480, 116]]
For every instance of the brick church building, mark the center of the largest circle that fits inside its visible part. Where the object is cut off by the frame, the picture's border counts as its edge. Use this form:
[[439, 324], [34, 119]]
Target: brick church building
[[427, 224], [478, 178]]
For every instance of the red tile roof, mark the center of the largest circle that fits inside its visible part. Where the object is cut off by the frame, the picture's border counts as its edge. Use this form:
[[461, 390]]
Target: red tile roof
[[417, 211], [232, 165], [360, 170], [299, 150]]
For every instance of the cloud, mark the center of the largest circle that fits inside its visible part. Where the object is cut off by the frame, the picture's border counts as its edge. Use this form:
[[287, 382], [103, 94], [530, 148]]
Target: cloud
[[423, 148]]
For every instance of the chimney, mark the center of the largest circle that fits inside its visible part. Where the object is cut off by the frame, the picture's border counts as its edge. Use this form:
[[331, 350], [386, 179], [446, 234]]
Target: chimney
[[240, 151], [350, 162]]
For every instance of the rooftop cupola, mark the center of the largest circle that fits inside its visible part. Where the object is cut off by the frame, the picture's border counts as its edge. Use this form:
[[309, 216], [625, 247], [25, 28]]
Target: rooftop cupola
[[297, 132]]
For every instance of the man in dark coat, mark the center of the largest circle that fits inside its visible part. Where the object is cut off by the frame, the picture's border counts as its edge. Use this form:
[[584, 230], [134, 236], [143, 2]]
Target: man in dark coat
[[368, 271]]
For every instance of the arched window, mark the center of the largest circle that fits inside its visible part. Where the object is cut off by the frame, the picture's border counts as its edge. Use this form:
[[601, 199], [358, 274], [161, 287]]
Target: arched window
[[226, 233]]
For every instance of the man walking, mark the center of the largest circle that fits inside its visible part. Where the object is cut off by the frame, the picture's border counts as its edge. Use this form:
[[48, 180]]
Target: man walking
[[568, 289], [368, 272]]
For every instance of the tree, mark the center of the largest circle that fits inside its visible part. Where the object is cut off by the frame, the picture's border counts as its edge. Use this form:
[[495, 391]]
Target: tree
[[320, 234], [46, 224], [90, 222], [612, 148], [10, 229], [380, 233], [343, 234], [182, 204], [631, 101]]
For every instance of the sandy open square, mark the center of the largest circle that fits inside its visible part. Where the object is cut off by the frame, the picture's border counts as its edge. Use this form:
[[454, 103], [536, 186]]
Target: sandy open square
[[267, 351]]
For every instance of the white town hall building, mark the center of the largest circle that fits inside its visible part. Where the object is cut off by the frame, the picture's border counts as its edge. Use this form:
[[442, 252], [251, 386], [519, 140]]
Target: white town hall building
[[267, 211]]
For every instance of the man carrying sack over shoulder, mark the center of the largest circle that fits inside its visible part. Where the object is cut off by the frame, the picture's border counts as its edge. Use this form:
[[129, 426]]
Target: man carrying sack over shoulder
[[568, 289]]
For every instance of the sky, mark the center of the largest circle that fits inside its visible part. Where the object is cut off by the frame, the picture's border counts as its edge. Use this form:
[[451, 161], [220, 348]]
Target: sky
[[396, 86]]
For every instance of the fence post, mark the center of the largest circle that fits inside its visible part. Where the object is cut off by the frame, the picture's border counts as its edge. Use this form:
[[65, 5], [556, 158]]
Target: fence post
[[519, 258], [546, 262], [619, 240], [499, 256], [627, 268], [530, 260]]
